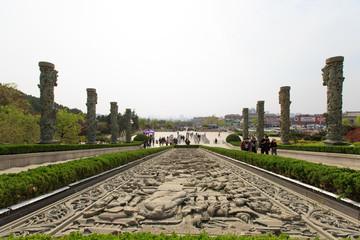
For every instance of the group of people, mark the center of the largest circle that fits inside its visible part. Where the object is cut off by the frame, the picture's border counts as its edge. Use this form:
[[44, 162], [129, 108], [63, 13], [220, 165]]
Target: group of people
[[265, 145], [165, 141]]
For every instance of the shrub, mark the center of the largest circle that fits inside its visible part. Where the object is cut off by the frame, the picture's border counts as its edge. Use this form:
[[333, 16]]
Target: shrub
[[342, 181], [233, 138], [141, 137], [319, 148], [148, 236], [353, 135], [186, 146], [318, 136], [272, 134], [240, 133], [18, 187], [236, 144]]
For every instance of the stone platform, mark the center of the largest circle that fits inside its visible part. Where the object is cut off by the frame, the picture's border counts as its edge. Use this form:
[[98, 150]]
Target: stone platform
[[187, 191]]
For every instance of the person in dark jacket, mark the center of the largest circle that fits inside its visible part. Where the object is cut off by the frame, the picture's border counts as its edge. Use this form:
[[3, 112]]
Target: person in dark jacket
[[265, 145], [273, 147], [246, 145], [254, 145]]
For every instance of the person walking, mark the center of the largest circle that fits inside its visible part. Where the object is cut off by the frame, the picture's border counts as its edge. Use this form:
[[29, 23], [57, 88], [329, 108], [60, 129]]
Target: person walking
[[273, 147], [265, 145], [246, 145], [254, 145]]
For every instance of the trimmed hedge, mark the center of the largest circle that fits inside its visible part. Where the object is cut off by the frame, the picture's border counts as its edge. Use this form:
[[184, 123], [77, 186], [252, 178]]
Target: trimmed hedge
[[342, 181], [236, 144], [233, 138], [141, 137], [148, 236], [187, 146], [329, 149], [18, 187], [33, 148]]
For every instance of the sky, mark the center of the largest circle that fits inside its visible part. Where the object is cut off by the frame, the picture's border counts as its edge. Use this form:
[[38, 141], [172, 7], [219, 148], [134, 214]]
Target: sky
[[190, 57]]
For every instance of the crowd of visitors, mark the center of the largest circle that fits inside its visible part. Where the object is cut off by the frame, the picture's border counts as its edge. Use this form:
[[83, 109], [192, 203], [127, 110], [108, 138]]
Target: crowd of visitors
[[252, 145], [265, 145], [166, 141]]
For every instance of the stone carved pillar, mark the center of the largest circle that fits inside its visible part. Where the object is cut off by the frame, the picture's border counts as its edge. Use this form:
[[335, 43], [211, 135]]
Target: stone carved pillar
[[114, 122], [245, 115], [128, 125], [91, 115], [48, 80], [333, 79], [260, 126], [284, 100]]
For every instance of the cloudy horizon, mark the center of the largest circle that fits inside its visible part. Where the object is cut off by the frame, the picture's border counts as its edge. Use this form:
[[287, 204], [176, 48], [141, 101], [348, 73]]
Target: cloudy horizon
[[191, 58]]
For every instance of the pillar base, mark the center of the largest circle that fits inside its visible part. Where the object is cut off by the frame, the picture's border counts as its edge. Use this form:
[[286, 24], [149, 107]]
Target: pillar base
[[329, 142], [48, 142]]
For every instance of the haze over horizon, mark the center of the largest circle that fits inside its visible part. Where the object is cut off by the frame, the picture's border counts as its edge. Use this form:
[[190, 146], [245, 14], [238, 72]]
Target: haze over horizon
[[191, 58]]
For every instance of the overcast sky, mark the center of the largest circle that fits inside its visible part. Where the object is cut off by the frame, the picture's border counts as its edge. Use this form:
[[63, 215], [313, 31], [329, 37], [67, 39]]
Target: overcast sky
[[191, 58]]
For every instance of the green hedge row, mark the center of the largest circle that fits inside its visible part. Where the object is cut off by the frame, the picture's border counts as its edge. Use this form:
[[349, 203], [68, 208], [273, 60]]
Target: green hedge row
[[187, 146], [329, 149], [236, 144], [33, 148], [342, 181], [148, 236], [18, 187]]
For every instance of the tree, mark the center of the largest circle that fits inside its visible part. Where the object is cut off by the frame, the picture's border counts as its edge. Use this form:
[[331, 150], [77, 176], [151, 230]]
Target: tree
[[357, 122], [68, 127], [169, 125], [103, 127], [206, 125], [345, 121], [142, 123], [16, 127], [9, 95], [212, 120], [254, 122], [154, 123], [135, 121], [221, 122]]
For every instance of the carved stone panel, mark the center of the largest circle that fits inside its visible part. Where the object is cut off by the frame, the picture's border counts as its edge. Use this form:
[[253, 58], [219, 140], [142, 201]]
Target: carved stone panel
[[187, 191]]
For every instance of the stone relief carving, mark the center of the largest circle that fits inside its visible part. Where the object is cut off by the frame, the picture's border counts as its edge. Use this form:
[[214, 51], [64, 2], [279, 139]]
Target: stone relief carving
[[333, 78], [91, 115], [48, 80], [187, 191], [284, 100]]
